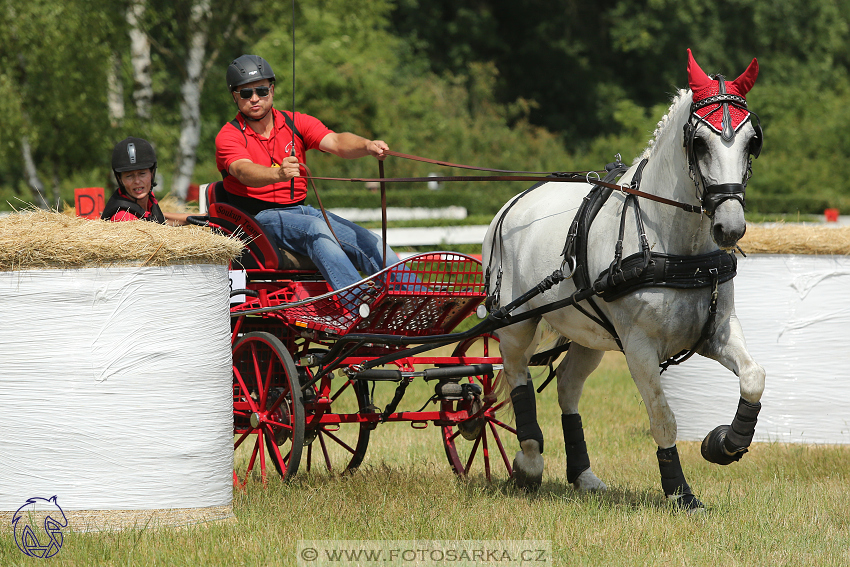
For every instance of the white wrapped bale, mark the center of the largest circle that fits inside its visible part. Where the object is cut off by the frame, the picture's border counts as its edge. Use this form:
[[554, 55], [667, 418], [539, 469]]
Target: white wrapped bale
[[115, 390]]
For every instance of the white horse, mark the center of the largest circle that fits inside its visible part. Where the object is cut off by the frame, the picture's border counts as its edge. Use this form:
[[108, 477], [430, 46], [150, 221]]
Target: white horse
[[699, 160]]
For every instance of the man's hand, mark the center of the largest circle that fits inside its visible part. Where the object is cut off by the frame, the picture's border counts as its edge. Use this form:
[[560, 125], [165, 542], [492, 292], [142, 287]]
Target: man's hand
[[289, 168], [377, 148]]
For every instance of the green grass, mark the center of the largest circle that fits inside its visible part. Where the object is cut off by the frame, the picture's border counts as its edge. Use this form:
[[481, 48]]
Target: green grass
[[781, 505]]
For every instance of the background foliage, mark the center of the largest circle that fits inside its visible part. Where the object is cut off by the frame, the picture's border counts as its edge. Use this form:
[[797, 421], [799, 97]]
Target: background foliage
[[526, 84]]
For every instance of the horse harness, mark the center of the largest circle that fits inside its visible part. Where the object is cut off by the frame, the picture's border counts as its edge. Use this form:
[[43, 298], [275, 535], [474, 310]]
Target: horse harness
[[625, 275]]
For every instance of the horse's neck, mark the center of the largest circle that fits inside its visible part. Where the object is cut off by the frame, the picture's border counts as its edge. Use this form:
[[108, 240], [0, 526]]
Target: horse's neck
[[671, 229]]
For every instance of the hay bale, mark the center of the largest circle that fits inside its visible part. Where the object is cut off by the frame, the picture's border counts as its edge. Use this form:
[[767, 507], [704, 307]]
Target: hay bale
[[796, 239], [116, 345], [50, 240]]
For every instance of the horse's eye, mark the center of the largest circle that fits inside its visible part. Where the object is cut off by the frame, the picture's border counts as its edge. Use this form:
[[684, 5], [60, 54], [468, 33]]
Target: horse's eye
[[700, 146]]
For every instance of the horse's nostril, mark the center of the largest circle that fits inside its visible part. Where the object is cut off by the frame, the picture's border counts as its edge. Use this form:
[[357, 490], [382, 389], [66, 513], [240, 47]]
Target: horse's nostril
[[725, 238]]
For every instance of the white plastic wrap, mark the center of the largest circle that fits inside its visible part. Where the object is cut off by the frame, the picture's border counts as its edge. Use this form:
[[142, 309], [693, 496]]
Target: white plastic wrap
[[795, 312], [115, 388]]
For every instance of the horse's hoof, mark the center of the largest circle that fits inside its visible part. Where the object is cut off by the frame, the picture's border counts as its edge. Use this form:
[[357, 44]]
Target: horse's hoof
[[686, 503], [712, 447], [526, 482], [589, 482], [528, 473]]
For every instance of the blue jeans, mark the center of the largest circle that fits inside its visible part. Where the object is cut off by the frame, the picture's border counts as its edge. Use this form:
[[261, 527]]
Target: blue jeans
[[302, 229]]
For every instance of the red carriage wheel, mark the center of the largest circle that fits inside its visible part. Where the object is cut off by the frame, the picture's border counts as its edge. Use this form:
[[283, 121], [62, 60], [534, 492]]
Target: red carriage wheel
[[268, 413], [477, 445], [335, 440]]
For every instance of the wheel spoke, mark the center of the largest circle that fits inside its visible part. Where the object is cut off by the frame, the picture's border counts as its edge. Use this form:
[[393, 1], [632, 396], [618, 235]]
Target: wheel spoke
[[472, 455], [503, 425], [501, 448], [253, 458], [262, 457], [339, 441], [246, 393], [257, 374], [341, 390], [486, 454], [274, 451], [286, 426], [267, 383], [325, 452], [242, 438]]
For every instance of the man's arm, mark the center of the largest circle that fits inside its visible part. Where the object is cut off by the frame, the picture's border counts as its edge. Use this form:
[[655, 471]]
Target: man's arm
[[350, 146], [176, 219], [251, 174]]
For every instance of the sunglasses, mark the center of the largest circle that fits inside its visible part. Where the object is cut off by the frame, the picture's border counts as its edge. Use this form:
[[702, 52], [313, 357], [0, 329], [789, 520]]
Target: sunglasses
[[262, 92]]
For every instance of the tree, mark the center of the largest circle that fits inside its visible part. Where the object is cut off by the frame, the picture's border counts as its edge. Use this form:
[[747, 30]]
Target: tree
[[54, 63]]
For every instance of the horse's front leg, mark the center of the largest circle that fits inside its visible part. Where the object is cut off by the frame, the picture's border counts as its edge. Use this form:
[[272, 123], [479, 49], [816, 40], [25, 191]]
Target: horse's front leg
[[643, 364], [572, 374], [728, 443], [515, 344]]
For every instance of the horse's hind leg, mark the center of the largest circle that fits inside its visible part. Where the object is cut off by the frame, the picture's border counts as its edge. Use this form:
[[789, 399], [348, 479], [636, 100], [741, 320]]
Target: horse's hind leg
[[515, 342], [572, 373]]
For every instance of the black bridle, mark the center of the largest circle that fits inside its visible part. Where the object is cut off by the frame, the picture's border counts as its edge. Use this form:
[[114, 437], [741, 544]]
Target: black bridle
[[713, 195]]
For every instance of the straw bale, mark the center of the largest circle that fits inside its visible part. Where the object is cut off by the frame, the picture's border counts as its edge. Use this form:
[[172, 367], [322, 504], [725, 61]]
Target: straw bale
[[796, 239], [36, 239], [113, 520]]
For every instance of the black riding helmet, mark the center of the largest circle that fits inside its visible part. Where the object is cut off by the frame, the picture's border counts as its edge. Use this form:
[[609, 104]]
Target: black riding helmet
[[131, 154], [247, 69]]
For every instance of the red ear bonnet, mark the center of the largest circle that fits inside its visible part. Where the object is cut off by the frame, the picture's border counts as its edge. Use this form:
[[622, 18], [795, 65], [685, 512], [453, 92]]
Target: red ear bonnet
[[704, 87]]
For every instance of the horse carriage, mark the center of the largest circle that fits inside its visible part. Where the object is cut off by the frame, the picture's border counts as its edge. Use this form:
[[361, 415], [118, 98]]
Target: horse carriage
[[300, 397], [640, 262]]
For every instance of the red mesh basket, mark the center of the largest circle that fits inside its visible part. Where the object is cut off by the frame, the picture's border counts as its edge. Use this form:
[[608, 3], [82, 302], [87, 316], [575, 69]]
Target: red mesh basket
[[426, 294]]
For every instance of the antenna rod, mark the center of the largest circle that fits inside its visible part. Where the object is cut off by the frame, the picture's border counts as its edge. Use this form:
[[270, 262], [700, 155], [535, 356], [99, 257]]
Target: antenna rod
[[292, 152]]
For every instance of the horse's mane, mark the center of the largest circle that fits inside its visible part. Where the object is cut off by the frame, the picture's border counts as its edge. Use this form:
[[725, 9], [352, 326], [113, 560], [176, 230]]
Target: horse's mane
[[680, 98]]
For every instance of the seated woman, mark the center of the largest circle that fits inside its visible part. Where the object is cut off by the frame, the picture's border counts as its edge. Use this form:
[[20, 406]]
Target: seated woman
[[134, 166]]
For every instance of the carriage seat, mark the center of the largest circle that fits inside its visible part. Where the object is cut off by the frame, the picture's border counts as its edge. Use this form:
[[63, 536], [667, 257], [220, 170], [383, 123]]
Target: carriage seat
[[262, 252]]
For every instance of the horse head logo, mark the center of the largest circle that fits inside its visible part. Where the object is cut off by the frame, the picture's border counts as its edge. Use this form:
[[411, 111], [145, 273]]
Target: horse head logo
[[31, 514]]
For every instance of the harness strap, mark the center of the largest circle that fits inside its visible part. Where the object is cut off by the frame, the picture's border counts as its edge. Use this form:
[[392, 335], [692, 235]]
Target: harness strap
[[241, 127]]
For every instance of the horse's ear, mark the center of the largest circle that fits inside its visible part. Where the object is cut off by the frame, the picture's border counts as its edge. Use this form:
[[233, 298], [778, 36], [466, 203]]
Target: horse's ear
[[697, 79], [748, 78]]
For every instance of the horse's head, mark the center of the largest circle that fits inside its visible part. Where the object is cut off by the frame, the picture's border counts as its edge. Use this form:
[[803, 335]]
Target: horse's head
[[721, 137]]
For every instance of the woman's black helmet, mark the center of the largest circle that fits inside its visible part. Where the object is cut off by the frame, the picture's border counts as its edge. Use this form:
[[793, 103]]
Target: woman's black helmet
[[247, 69], [131, 154]]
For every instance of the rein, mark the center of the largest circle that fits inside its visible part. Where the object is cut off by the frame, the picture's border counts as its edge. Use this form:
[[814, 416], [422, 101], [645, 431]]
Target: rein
[[536, 176]]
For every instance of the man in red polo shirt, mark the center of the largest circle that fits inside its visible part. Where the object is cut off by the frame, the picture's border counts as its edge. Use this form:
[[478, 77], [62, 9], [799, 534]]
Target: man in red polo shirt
[[254, 153]]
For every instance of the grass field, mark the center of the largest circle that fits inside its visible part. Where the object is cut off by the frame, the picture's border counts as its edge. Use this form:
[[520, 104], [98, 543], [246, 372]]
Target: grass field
[[781, 505]]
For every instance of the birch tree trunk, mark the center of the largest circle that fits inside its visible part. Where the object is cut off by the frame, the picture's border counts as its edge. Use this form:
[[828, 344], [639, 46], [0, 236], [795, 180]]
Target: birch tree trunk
[[33, 180], [140, 56], [115, 91], [190, 105]]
